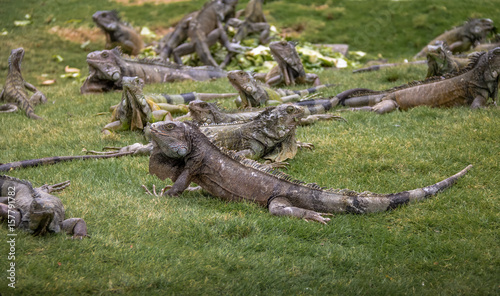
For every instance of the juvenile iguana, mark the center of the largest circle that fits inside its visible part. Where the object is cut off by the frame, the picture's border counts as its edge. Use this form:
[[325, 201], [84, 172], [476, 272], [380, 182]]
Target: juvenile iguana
[[15, 89], [35, 209], [183, 154], [462, 38], [108, 67], [117, 32], [208, 113], [440, 61], [472, 86], [289, 70], [205, 28], [254, 94]]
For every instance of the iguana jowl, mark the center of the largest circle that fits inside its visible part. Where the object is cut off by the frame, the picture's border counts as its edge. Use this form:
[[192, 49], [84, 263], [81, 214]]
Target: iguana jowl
[[107, 69], [184, 155], [117, 32], [472, 86], [15, 89], [35, 209]]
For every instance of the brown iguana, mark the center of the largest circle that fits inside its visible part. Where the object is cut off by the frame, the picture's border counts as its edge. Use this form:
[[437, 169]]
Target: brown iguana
[[289, 70], [472, 86], [183, 154], [462, 38], [35, 209], [176, 37], [117, 32], [108, 67], [15, 89], [255, 94], [205, 28], [440, 61], [208, 113]]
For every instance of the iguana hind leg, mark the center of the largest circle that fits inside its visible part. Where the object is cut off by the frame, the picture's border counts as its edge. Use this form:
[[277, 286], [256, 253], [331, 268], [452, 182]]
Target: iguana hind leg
[[7, 214], [281, 206], [75, 226]]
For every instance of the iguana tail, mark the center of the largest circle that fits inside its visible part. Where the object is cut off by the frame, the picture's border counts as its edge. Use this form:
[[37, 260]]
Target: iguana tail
[[347, 94], [367, 202], [53, 160]]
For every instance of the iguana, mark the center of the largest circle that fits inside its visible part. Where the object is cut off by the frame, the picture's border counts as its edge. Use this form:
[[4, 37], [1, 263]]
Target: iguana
[[35, 209], [289, 70], [253, 93], [108, 67], [472, 86], [254, 22], [270, 135], [389, 65], [183, 154], [117, 32], [462, 38], [208, 113], [15, 89], [493, 43], [176, 37], [205, 28], [440, 61]]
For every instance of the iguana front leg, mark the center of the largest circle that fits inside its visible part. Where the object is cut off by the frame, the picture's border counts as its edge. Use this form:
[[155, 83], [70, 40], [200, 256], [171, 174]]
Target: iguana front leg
[[181, 183], [281, 206], [479, 102], [75, 226], [38, 96]]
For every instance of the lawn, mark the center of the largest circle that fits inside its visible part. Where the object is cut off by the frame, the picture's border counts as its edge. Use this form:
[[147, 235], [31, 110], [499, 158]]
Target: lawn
[[196, 244]]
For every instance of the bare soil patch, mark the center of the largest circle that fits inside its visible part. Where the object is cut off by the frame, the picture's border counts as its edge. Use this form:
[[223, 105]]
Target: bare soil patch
[[79, 35]]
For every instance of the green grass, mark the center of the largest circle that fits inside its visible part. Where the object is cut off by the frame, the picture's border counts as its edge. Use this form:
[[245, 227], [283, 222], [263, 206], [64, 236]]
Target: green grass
[[196, 244]]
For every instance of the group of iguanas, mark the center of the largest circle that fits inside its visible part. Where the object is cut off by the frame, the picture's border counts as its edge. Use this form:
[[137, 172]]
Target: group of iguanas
[[218, 150]]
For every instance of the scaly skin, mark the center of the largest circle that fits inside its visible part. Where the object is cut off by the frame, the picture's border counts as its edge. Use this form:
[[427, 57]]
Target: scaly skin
[[255, 94], [462, 38], [184, 155], [289, 70], [254, 22], [35, 210], [118, 33], [107, 69], [440, 61], [471, 87], [15, 89], [176, 37]]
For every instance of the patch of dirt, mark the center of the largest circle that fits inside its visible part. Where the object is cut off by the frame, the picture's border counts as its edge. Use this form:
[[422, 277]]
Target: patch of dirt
[[79, 35], [140, 2]]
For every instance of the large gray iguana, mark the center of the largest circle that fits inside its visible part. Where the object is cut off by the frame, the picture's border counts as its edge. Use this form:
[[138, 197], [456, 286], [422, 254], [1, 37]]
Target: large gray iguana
[[35, 209], [253, 93], [183, 154], [290, 70], [205, 29], [472, 86], [107, 69], [117, 32], [15, 89], [462, 38]]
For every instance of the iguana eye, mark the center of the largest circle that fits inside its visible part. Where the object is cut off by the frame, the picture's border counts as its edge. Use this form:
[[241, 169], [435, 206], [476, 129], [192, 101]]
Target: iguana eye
[[136, 80], [104, 54], [496, 50], [290, 109], [170, 126]]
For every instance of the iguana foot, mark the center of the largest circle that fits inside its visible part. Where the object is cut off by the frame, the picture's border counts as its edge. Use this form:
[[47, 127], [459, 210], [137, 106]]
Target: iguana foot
[[162, 192], [136, 148], [56, 187], [318, 217], [316, 117], [276, 165], [305, 145]]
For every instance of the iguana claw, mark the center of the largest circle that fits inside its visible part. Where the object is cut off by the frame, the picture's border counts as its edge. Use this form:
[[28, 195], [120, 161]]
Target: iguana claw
[[305, 145]]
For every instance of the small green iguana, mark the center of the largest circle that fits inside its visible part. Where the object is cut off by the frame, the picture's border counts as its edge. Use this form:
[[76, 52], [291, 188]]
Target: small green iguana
[[462, 38], [208, 113], [15, 89], [205, 28], [108, 67], [440, 61], [254, 94], [183, 154], [472, 86], [35, 209], [289, 70], [117, 32]]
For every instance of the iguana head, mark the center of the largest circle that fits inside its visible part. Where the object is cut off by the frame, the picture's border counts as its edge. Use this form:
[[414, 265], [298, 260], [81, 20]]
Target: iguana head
[[173, 138], [494, 63], [438, 56], [280, 120], [203, 112], [106, 19], [105, 64], [15, 58], [286, 55], [46, 215], [480, 28], [247, 87]]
